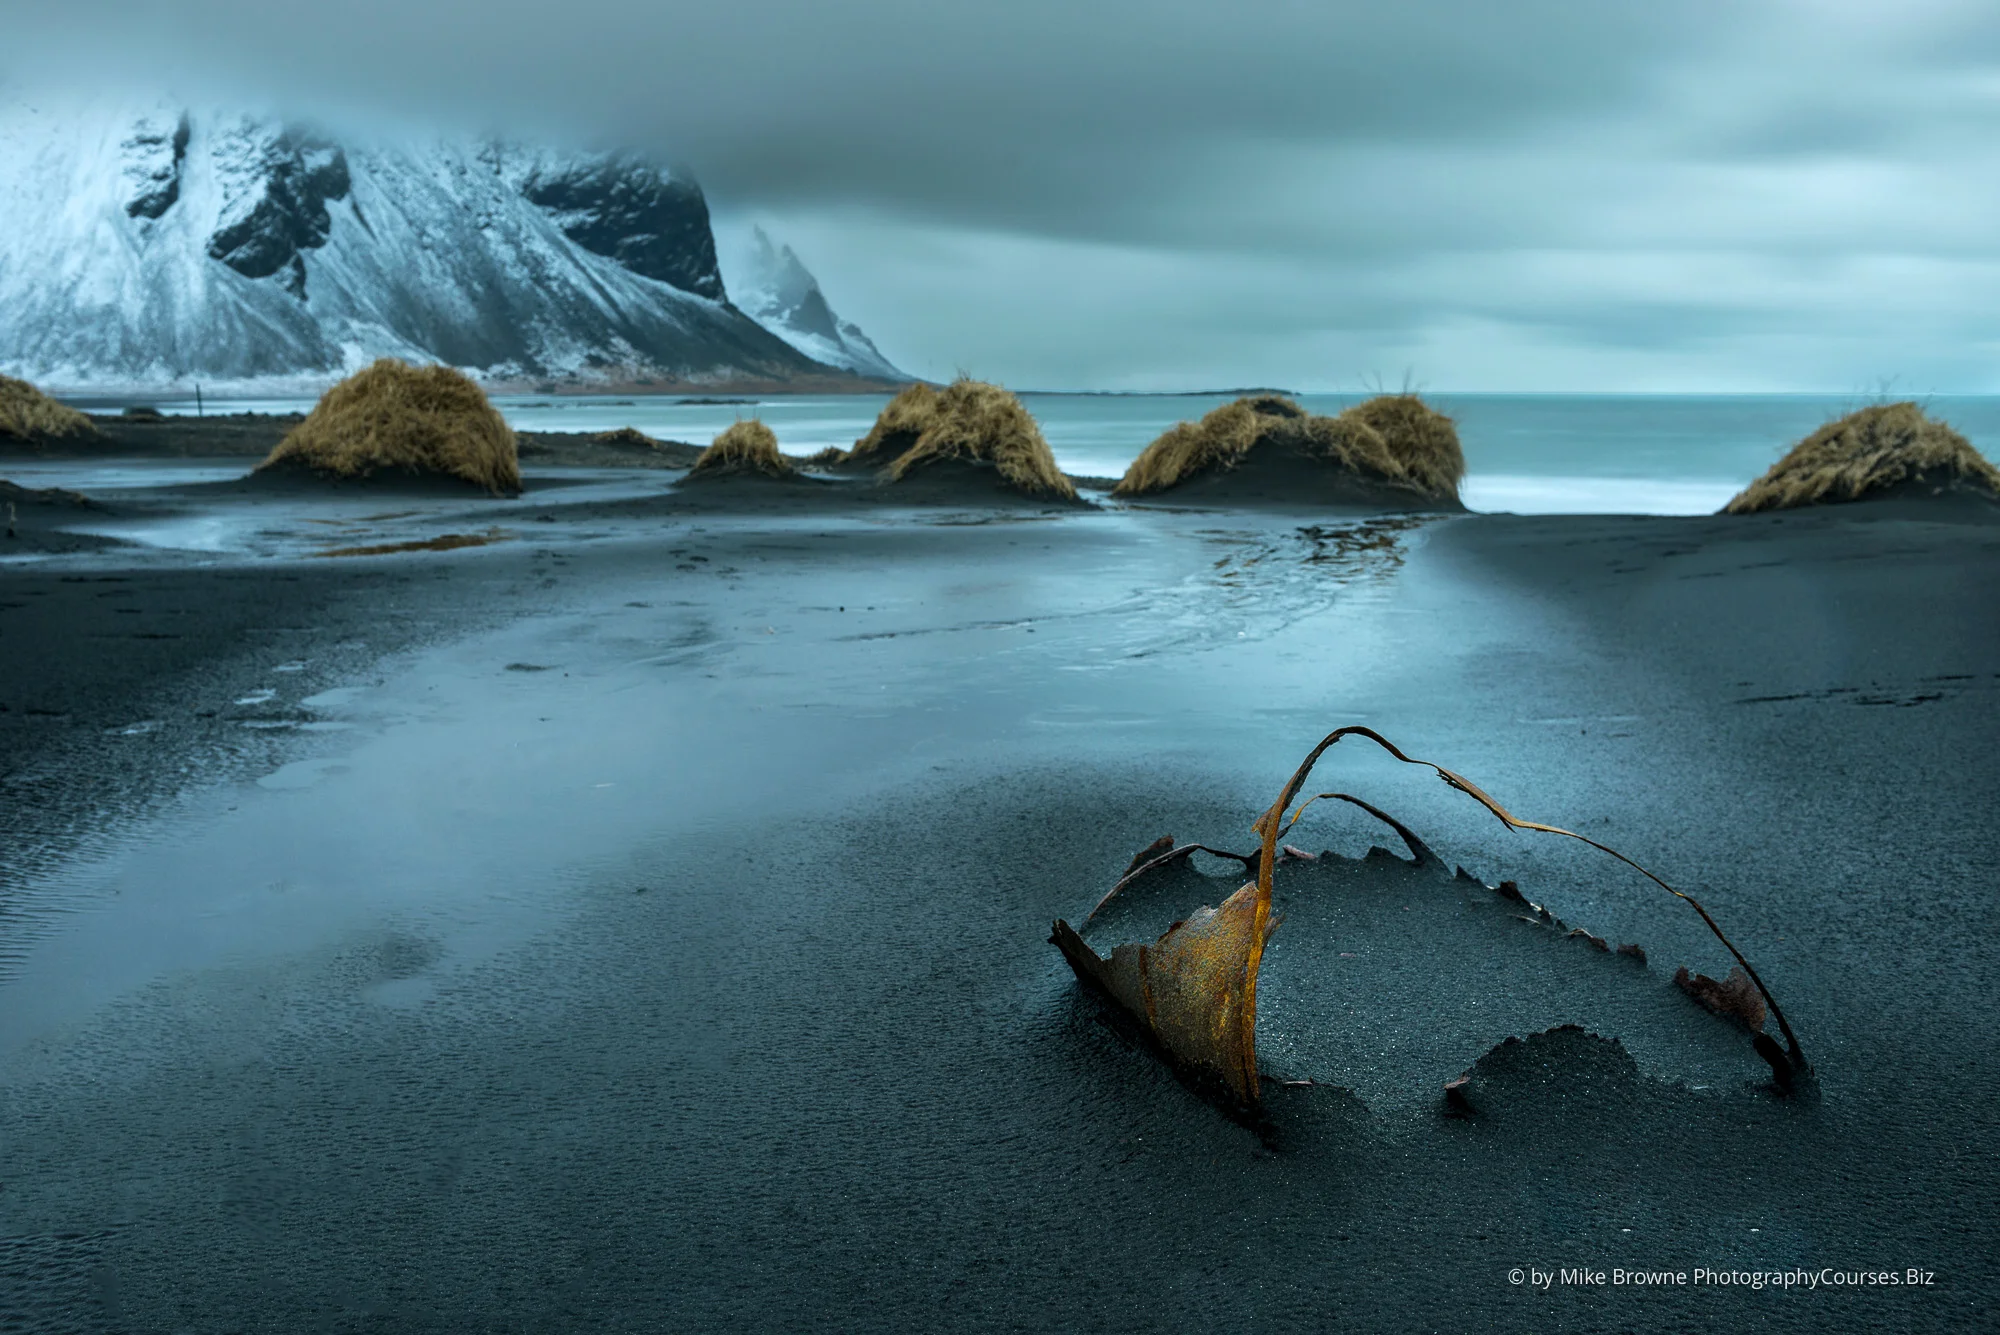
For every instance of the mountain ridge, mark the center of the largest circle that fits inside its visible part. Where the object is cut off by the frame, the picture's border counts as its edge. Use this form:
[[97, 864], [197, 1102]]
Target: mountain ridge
[[781, 294], [160, 244]]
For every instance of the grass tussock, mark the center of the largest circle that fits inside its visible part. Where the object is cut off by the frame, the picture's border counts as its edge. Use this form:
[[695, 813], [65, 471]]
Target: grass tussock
[[629, 436], [397, 418], [1864, 452], [1218, 440], [972, 422], [746, 447], [27, 412], [1393, 438], [1420, 442], [899, 425]]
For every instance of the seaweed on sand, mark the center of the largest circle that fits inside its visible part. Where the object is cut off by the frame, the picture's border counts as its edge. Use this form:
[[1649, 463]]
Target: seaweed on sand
[[1194, 989]]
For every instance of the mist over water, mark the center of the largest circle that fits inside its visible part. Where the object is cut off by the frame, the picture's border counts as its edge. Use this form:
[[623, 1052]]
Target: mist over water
[[1526, 453]]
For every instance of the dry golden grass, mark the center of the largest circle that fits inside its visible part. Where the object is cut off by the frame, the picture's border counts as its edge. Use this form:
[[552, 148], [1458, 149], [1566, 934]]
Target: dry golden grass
[[1392, 438], [745, 447], [397, 418], [1218, 440], [1863, 452], [628, 436], [973, 422], [902, 420], [26, 411], [825, 458], [1422, 443]]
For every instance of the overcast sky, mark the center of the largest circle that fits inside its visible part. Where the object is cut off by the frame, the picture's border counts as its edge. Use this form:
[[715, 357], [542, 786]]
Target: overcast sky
[[1132, 195]]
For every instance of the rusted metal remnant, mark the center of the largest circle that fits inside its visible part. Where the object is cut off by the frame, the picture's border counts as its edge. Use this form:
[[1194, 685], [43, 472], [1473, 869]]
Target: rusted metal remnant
[[1195, 988]]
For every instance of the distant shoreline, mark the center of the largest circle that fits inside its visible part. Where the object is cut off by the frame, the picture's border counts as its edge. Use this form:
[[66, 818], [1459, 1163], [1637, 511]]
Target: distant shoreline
[[100, 398]]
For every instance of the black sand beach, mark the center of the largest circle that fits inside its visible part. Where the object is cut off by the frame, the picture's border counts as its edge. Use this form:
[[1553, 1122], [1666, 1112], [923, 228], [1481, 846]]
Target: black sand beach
[[637, 920]]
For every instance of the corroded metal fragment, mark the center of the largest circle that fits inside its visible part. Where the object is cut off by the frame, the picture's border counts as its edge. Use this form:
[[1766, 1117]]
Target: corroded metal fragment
[[1194, 989]]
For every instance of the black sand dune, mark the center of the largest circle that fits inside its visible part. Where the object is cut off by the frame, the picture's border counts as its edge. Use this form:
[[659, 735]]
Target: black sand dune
[[966, 482], [1272, 476], [1883, 449], [752, 493], [949, 483], [293, 477], [970, 435], [1392, 452], [217, 436], [604, 449], [255, 435], [32, 519], [1934, 494]]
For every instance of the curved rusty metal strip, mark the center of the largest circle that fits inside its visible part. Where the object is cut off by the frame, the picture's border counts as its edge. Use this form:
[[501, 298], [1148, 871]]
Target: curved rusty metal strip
[[1249, 861], [1421, 850], [1272, 822]]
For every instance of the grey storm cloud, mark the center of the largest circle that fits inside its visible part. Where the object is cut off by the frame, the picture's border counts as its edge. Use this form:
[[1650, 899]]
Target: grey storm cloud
[[1539, 194], [1036, 113]]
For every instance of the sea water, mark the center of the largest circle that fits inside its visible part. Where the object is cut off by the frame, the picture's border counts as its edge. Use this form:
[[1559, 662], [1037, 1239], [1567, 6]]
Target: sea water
[[1527, 453]]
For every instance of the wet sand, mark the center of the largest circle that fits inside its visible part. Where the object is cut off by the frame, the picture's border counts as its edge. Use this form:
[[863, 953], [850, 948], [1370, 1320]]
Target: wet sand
[[639, 921], [252, 436]]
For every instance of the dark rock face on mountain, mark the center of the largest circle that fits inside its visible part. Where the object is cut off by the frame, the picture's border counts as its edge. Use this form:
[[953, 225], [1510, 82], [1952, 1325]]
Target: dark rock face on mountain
[[152, 158], [161, 245], [279, 181], [629, 211]]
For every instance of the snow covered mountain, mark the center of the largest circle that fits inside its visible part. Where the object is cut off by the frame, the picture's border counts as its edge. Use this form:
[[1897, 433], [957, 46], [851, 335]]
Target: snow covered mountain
[[782, 295], [157, 245]]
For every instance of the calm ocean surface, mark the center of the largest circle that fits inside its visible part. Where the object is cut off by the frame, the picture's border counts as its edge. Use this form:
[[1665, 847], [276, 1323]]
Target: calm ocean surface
[[1529, 453]]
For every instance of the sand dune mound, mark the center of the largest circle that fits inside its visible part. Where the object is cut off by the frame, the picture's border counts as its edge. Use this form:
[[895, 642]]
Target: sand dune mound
[[28, 413], [628, 437], [394, 419], [1217, 441], [1876, 451], [748, 448], [902, 421], [1393, 450], [969, 428], [1421, 443], [13, 493]]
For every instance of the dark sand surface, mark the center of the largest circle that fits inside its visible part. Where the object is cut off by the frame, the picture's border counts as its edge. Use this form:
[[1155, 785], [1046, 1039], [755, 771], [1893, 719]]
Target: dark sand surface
[[37, 519], [638, 923], [254, 435], [221, 441]]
